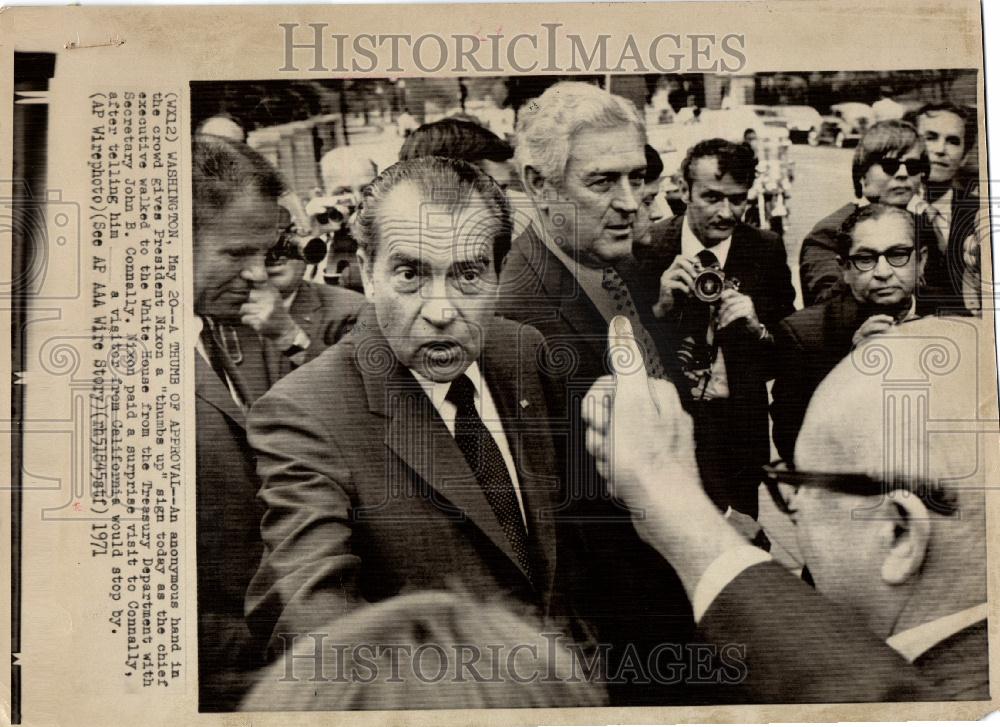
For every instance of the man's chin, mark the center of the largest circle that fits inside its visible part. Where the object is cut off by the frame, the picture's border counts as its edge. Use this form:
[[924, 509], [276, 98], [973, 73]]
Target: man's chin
[[443, 364]]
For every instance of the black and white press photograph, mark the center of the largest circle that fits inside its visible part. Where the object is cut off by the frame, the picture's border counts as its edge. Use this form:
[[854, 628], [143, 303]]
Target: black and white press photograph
[[589, 390]]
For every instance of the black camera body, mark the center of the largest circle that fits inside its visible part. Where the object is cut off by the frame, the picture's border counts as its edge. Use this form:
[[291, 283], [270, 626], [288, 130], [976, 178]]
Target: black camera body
[[293, 246], [710, 282]]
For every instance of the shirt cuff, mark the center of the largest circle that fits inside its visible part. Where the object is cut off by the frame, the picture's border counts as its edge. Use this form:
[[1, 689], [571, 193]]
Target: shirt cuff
[[723, 571]]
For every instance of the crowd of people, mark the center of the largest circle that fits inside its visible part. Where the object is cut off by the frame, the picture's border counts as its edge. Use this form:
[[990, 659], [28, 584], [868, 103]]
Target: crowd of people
[[544, 410]]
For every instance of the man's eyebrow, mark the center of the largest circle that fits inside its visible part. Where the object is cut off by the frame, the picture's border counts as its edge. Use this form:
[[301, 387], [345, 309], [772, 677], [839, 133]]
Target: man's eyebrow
[[402, 258]]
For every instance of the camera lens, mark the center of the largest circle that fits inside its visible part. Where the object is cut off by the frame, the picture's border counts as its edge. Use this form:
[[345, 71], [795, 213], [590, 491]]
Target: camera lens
[[708, 286]]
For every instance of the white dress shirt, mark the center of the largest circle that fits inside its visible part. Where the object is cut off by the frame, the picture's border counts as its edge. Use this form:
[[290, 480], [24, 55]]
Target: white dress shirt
[[437, 392]]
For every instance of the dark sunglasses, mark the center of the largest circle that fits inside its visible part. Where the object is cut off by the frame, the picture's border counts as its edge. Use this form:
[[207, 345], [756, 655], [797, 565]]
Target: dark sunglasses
[[778, 473], [865, 261], [891, 165]]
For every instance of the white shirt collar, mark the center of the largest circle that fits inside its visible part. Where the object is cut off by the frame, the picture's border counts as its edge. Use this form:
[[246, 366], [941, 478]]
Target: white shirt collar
[[437, 391], [943, 205], [910, 644], [691, 245]]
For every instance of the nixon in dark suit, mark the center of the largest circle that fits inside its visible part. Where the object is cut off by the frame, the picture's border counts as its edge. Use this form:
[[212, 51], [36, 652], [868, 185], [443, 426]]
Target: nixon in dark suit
[[369, 481]]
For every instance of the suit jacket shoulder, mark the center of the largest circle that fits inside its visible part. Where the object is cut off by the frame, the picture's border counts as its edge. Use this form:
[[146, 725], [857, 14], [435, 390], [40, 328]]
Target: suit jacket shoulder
[[800, 647]]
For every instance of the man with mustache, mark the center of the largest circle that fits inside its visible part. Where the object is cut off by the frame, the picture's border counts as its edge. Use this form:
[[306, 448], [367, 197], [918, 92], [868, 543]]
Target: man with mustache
[[723, 348]]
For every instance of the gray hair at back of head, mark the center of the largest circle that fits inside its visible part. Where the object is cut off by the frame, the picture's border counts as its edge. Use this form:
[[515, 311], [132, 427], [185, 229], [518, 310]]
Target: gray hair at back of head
[[546, 125]]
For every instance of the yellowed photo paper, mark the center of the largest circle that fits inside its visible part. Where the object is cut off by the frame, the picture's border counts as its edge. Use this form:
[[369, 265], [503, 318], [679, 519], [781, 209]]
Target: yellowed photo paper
[[497, 364]]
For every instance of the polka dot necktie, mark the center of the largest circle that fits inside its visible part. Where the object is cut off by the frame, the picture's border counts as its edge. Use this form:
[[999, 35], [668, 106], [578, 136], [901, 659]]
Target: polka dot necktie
[[483, 455], [624, 305]]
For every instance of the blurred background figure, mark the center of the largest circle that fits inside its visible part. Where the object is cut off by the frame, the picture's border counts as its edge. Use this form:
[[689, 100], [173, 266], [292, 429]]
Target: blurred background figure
[[426, 650], [653, 203], [465, 140], [887, 108], [344, 172], [949, 133], [222, 125]]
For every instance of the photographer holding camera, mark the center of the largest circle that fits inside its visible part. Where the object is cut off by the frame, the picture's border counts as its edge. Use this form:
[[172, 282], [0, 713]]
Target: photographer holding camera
[[722, 284], [287, 320]]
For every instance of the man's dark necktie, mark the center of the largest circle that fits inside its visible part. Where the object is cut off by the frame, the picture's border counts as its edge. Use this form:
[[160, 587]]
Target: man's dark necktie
[[483, 455], [624, 305]]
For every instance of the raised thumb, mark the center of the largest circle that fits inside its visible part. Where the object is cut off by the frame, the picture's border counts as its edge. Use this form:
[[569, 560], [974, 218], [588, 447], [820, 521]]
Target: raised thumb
[[626, 359]]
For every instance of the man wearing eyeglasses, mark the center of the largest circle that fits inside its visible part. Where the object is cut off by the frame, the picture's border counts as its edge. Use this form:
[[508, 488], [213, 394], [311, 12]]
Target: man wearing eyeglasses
[[880, 265], [889, 167], [890, 521]]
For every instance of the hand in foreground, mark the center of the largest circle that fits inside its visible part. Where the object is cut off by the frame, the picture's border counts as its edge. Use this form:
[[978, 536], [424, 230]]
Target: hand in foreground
[[643, 443], [873, 326], [265, 313]]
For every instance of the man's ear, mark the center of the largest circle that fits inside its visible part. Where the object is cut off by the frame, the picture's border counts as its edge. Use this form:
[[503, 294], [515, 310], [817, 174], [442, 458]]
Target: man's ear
[[685, 191], [909, 537], [535, 183], [921, 261], [366, 274]]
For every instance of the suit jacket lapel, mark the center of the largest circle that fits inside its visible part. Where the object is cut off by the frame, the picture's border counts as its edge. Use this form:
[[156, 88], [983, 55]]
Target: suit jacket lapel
[[559, 284], [416, 434], [210, 388]]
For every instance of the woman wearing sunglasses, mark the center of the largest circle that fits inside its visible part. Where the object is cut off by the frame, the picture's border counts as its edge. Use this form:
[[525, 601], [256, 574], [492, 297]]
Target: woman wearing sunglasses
[[890, 167]]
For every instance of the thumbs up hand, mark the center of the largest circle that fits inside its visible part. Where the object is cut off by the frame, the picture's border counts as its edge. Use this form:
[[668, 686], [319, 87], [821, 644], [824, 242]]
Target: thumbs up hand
[[637, 431], [643, 443]]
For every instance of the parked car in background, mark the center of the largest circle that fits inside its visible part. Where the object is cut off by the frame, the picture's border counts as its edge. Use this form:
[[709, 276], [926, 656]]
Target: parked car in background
[[803, 122], [846, 124]]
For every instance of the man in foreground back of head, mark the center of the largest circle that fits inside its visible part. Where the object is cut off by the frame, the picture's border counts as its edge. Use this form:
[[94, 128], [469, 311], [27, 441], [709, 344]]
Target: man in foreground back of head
[[889, 520]]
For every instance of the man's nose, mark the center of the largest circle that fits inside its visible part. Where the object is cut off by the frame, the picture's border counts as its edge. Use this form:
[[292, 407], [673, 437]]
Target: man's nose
[[255, 271], [626, 197], [725, 209], [437, 308], [882, 268]]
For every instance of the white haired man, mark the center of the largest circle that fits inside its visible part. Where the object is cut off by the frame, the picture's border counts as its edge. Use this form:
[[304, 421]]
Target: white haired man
[[581, 154], [887, 499]]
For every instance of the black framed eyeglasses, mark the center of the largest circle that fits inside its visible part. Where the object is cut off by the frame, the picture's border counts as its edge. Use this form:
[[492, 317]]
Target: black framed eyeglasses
[[891, 165], [778, 473], [865, 261]]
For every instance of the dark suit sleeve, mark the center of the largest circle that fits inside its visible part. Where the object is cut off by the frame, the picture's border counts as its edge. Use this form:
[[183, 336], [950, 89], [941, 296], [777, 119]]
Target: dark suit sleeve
[[784, 642], [340, 313], [819, 269], [307, 577], [790, 397], [774, 302]]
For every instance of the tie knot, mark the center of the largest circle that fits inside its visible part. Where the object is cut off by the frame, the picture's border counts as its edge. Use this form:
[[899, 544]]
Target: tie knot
[[708, 259], [462, 393]]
